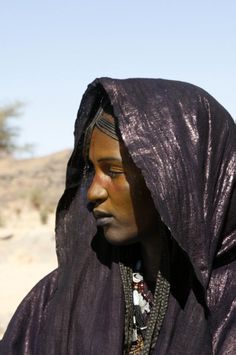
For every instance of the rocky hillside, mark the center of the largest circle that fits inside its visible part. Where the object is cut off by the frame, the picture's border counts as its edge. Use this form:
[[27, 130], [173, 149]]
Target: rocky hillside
[[29, 192], [35, 183]]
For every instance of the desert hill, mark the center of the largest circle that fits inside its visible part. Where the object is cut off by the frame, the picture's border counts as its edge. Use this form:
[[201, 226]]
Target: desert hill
[[29, 192]]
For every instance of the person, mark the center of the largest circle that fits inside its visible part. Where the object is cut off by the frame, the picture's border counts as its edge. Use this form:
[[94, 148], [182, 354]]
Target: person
[[145, 230]]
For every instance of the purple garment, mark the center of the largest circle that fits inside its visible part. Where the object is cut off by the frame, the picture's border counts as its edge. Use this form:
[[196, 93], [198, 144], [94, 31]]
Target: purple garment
[[184, 143]]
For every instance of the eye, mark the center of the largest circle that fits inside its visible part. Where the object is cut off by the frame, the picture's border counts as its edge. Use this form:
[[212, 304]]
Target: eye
[[113, 170], [113, 173]]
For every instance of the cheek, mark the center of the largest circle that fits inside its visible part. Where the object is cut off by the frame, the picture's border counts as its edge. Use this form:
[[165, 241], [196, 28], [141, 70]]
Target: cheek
[[122, 200]]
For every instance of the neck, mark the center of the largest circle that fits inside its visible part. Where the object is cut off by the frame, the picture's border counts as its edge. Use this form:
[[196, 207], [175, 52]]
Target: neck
[[151, 254]]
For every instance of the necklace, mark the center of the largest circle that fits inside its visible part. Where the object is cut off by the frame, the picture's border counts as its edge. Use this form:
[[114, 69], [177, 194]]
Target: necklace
[[141, 338], [142, 304]]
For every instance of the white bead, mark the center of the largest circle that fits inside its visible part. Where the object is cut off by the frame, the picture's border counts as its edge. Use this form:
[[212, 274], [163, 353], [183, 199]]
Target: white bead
[[136, 297], [137, 277]]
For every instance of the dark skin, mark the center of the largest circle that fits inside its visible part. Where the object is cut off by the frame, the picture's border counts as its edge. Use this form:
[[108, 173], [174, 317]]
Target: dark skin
[[122, 204]]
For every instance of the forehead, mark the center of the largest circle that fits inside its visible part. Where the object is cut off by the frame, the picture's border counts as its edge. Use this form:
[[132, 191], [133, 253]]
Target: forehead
[[103, 146]]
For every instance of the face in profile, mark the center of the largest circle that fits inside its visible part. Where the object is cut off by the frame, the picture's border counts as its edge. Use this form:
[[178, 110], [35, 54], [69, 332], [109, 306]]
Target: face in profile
[[121, 202]]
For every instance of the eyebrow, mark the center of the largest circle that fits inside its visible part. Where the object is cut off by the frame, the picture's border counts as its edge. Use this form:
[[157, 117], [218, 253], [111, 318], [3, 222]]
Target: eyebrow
[[109, 159], [106, 159]]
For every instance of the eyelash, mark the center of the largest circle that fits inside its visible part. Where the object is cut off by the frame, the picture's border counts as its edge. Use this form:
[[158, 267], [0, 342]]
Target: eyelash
[[114, 174], [107, 170]]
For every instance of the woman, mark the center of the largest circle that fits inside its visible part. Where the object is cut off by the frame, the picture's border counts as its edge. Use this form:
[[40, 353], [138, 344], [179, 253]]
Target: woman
[[145, 229]]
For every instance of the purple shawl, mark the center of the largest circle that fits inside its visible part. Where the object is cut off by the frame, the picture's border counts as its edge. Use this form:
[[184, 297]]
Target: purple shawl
[[184, 142]]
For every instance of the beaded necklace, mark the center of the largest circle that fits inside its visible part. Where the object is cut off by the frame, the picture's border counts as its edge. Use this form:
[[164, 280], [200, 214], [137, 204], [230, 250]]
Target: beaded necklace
[[142, 304], [144, 312]]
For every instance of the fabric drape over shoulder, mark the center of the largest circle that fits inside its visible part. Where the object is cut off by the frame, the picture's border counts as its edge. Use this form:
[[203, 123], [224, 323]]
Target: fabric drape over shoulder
[[184, 143]]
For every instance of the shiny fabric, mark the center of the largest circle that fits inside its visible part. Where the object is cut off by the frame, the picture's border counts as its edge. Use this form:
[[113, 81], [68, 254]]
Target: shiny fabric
[[184, 142]]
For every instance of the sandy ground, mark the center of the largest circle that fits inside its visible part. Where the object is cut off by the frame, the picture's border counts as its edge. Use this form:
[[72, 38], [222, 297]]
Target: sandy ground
[[29, 192], [27, 253]]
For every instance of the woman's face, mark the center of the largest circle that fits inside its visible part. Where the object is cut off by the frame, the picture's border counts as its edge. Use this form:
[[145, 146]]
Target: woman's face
[[121, 202]]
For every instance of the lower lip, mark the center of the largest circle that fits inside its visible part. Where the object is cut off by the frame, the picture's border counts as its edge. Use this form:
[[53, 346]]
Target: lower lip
[[101, 222]]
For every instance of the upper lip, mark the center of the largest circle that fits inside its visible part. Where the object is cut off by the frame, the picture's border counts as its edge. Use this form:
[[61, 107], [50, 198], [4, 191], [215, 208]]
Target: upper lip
[[101, 214]]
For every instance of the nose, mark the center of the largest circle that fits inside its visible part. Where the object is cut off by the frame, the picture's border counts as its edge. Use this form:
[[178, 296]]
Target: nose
[[97, 193]]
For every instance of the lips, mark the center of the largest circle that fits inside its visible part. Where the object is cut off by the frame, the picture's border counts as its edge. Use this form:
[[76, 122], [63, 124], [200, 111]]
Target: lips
[[102, 218]]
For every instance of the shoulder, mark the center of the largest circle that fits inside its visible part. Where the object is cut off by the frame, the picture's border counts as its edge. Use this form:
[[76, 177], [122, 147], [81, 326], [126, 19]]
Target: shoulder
[[27, 320]]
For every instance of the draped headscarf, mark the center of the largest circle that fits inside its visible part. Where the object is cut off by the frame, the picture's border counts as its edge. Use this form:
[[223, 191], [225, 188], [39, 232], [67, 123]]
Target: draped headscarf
[[183, 141]]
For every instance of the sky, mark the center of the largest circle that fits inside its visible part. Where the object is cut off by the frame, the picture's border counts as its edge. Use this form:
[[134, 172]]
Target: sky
[[52, 49]]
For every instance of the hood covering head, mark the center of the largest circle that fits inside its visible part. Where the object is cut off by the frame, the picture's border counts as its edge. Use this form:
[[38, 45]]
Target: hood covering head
[[183, 141]]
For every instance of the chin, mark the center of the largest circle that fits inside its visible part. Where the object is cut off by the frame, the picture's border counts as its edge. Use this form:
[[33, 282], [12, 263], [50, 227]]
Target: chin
[[119, 239]]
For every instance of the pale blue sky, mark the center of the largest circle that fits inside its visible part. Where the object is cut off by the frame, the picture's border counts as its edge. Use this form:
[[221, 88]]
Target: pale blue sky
[[51, 50]]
